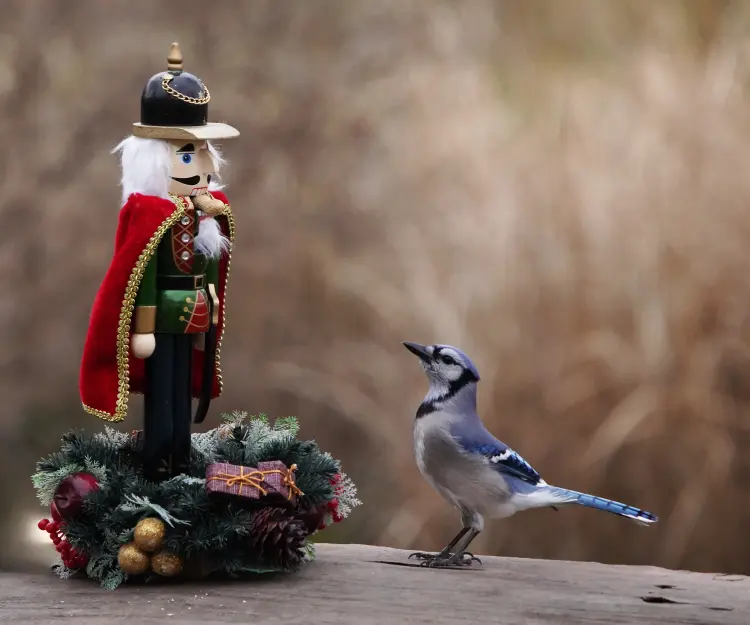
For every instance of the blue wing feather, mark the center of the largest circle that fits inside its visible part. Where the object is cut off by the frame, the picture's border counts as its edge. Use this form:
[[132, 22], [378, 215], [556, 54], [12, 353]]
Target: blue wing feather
[[501, 457]]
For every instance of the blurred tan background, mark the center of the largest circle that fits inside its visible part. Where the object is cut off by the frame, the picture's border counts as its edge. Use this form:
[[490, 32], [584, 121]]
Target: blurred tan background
[[558, 187]]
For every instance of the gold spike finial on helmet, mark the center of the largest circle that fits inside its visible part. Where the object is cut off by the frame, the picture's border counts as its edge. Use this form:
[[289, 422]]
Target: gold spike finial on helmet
[[174, 60]]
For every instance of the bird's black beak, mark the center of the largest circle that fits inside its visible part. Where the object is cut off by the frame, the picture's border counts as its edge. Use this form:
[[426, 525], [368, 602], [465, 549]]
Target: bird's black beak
[[418, 350]]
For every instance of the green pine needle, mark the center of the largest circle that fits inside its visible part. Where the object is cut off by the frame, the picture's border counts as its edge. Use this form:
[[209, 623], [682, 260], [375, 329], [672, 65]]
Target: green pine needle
[[46, 482], [136, 503], [289, 425]]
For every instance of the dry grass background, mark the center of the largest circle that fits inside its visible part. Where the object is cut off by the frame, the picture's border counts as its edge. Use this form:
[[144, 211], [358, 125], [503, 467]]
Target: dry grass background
[[559, 188]]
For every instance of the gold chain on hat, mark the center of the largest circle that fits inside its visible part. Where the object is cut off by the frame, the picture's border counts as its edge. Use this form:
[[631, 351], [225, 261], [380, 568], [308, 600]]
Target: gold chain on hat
[[174, 63]]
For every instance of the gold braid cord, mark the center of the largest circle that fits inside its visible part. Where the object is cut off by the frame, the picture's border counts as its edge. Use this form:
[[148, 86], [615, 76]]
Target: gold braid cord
[[180, 96], [230, 221], [128, 305]]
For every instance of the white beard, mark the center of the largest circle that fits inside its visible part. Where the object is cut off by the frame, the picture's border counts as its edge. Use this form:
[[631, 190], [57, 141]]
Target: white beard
[[210, 241]]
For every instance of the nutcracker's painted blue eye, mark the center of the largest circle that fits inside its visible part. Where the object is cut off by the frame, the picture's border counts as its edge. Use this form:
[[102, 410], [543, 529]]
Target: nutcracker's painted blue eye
[[187, 158]]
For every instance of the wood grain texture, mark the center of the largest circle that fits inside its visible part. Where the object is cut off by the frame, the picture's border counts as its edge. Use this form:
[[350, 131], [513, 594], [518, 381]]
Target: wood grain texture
[[355, 584]]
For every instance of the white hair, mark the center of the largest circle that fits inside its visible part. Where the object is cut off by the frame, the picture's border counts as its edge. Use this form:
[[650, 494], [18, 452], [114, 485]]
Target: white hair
[[146, 166]]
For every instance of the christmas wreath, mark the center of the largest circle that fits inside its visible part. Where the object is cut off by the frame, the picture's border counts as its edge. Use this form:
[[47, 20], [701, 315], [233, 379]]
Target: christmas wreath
[[254, 496]]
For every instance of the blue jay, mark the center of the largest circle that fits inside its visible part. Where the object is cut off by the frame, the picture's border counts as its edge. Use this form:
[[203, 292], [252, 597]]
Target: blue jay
[[469, 467]]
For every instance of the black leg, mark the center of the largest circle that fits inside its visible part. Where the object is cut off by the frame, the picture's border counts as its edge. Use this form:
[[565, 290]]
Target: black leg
[[421, 555], [461, 557], [183, 412], [158, 409]]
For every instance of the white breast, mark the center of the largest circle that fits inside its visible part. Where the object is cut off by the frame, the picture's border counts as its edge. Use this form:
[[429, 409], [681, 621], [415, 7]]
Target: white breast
[[420, 430], [465, 481]]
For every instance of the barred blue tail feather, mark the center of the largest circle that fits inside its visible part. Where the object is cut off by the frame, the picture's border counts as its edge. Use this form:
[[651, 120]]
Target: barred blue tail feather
[[599, 503]]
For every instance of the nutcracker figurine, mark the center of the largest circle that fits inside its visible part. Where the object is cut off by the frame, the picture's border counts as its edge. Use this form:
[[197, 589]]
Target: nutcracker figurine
[[157, 320]]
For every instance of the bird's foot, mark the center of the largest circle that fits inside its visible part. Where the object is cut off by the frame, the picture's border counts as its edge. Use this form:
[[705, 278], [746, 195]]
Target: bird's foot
[[421, 555], [448, 560]]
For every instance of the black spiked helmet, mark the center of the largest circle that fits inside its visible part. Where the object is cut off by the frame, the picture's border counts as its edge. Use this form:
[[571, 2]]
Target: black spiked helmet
[[174, 105]]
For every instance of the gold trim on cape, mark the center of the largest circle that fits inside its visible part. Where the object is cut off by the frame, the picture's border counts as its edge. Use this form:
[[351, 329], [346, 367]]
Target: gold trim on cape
[[128, 305]]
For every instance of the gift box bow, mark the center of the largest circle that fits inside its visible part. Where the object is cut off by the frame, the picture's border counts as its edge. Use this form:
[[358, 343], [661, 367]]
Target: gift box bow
[[256, 478]]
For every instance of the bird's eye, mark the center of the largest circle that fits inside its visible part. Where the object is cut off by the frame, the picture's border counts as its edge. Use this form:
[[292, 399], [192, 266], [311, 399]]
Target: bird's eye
[[187, 158], [447, 360]]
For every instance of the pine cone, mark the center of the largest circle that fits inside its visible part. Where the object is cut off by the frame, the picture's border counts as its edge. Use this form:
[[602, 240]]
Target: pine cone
[[278, 538]]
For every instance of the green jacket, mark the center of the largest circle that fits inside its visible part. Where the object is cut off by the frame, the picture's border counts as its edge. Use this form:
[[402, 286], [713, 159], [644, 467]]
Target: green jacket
[[173, 295]]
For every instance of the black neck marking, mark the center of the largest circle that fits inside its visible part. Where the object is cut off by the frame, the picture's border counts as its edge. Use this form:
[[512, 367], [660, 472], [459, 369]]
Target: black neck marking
[[428, 406]]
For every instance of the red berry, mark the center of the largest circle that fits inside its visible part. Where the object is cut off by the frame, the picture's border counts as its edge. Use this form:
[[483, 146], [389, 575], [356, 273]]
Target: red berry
[[56, 539], [67, 547], [333, 504], [43, 524], [337, 518], [322, 526]]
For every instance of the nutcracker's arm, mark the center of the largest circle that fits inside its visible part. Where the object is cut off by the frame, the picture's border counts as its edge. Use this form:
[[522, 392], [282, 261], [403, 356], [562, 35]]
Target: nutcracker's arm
[[212, 272], [142, 342], [145, 301]]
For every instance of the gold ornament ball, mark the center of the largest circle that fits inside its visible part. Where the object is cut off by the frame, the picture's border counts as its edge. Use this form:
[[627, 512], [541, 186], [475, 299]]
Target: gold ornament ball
[[132, 560], [166, 564], [149, 534]]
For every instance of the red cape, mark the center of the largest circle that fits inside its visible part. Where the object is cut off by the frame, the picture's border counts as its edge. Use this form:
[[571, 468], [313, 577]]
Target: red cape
[[109, 372]]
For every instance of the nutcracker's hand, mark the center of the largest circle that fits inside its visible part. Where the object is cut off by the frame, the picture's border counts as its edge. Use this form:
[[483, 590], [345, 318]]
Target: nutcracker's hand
[[142, 345], [210, 206]]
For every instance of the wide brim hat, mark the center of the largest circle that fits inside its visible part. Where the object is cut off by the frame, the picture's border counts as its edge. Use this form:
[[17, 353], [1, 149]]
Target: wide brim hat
[[174, 105]]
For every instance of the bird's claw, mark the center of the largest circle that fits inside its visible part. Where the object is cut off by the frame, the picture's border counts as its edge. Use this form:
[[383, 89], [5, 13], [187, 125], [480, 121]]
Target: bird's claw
[[421, 555], [452, 560]]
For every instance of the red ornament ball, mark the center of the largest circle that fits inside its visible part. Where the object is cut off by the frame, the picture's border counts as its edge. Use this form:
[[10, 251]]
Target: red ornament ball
[[68, 499], [42, 525]]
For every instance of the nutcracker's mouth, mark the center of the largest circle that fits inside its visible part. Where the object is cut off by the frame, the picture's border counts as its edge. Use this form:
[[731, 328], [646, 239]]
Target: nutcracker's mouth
[[192, 180]]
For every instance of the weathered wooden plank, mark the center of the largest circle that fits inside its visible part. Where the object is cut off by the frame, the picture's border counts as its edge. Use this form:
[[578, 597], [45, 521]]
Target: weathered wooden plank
[[355, 584]]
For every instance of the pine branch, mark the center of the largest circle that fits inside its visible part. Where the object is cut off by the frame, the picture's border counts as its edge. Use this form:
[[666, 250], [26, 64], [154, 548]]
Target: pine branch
[[46, 482], [136, 503], [288, 425], [96, 469], [53, 462], [310, 553], [346, 493], [236, 417], [112, 438], [113, 579]]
